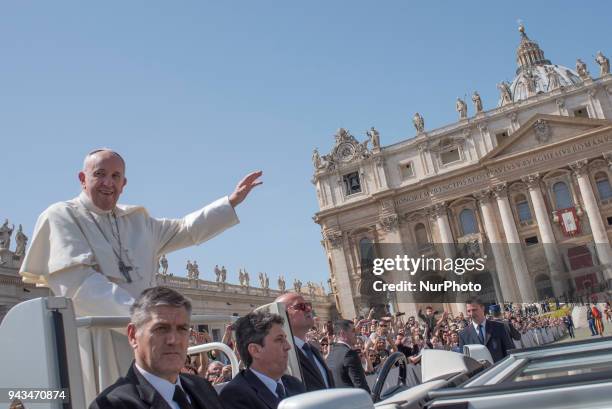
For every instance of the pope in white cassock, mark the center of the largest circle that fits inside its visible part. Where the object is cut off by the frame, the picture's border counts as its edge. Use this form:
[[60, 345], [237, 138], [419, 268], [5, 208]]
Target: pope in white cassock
[[103, 255]]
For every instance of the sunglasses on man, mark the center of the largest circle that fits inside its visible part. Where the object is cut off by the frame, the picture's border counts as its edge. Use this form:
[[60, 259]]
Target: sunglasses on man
[[302, 306]]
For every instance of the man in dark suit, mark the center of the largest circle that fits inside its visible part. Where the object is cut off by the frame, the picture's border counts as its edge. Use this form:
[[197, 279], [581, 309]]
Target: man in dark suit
[[159, 334], [263, 347], [493, 334], [344, 361], [315, 372]]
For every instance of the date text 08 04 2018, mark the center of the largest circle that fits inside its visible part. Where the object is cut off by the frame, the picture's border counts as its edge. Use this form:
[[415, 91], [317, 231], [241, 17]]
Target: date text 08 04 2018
[[34, 395]]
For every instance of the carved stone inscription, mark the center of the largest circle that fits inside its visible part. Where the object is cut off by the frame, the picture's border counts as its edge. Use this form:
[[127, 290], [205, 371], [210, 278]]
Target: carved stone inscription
[[595, 142]]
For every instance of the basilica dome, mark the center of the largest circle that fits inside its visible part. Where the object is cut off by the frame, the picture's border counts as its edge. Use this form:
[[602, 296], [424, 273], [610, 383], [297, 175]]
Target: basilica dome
[[535, 74]]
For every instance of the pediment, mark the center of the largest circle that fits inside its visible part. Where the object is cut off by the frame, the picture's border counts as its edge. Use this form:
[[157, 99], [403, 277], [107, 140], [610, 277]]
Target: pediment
[[542, 130]]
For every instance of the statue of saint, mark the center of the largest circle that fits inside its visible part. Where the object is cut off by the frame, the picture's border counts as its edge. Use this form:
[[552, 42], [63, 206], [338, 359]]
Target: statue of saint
[[266, 281], [477, 102], [247, 279], [530, 81], [241, 277], [223, 274], [504, 90], [196, 271], [5, 235], [374, 138], [189, 268], [582, 70], [281, 284], [217, 273], [316, 159], [604, 64], [21, 240], [418, 122], [163, 262], [461, 107], [261, 280], [554, 81], [297, 286]]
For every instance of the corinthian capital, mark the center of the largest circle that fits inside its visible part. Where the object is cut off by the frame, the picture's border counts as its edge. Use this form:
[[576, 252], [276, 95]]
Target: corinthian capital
[[532, 181], [500, 191], [333, 237], [608, 157], [579, 168], [389, 222], [438, 210], [483, 197]]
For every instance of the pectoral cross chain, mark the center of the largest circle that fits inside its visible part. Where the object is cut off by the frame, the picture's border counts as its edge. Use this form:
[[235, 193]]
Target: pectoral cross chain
[[125, 270]]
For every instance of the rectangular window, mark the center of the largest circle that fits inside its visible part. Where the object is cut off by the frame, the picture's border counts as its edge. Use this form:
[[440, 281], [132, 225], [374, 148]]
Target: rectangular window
[[406, 170], [530, 241], [352, 184], [603, 187], [216, 335], [450, 156], [581, 112], [501, 137], [609, 221], [524, 212]]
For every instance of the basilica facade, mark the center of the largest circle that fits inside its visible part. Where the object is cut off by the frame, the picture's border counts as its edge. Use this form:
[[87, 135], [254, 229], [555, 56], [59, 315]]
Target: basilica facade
[[525, 185]]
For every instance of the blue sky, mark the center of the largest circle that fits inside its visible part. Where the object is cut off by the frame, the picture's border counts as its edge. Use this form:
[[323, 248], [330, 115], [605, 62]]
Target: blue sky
[[196, 94]]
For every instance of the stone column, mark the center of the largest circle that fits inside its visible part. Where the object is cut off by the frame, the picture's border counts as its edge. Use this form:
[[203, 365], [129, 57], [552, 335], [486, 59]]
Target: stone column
[[503, 276], [389, 222], [551, 251], [440, 215], [521, 272], [334, 245], [600, 235]]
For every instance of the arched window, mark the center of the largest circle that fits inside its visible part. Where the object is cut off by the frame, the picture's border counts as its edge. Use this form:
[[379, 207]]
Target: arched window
[[366, 250], [522, 208], [420, 233], [603, 186], [563, 199], [468, 221]]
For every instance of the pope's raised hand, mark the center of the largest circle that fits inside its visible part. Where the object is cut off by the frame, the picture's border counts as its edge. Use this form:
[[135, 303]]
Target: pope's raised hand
[[244, 187]]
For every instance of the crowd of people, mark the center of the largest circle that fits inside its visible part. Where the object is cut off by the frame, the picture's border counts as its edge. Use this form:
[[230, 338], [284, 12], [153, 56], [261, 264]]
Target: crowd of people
[[377, 339]]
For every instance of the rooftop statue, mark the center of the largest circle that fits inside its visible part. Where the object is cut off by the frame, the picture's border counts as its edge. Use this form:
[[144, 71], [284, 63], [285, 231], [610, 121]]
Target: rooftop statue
[[418, 122], [477, 102], [374, 138], [505, 94], [163, 263], [316, 159], [461, 107], [5, 235], [582, 70], [21, 240], [604, 64], [553, 78]]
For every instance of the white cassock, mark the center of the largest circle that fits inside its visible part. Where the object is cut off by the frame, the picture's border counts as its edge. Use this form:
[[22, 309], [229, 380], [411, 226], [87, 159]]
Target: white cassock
[[74, 251]]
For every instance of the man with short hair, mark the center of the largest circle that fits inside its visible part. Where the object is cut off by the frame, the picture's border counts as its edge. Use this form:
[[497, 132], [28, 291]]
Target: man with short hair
[[314, 369], [344, 361], [493, 334], [159, 336], [264, 349]]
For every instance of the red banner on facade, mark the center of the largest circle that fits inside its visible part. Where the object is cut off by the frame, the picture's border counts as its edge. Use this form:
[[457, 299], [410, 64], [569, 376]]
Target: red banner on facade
[[568, 219]]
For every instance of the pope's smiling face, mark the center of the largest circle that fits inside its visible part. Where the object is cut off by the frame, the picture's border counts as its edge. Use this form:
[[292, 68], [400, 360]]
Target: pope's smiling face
[[103, 179], [160, 344]]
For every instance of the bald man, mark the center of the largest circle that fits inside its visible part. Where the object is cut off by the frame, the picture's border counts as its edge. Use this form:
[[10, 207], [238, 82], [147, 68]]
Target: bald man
[[103, 254], [315, 372]]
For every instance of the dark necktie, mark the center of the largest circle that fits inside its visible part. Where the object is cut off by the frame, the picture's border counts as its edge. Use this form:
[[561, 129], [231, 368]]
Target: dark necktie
[[308, 350], [280, 391], [480, 334], [180, 397]]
